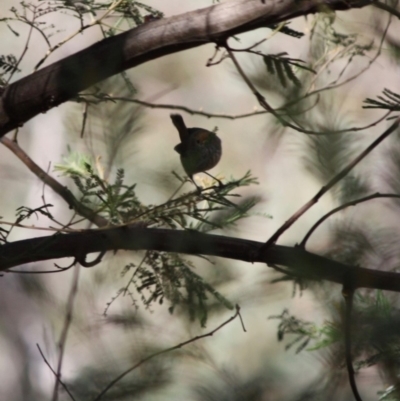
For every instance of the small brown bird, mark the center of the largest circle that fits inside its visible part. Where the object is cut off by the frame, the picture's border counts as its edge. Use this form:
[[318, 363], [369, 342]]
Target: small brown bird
[[200, 149]]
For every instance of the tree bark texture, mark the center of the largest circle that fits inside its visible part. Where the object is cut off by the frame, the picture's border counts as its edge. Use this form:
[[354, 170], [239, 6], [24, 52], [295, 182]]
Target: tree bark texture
[[62, 80]]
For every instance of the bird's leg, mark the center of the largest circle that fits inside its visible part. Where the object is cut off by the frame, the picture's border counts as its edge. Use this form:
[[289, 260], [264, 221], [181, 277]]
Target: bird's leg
[[197, 187]]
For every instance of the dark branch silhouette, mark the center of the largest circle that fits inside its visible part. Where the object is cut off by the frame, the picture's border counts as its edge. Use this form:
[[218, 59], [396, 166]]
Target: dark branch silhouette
[[63, 80], [300, 262]]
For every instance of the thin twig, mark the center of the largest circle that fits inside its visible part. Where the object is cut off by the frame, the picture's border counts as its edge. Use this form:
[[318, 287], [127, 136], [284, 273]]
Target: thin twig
[[61, 190], [247, 49], [146, 255], [64, 333], [46, 205], [175, 347], [265, 104], [57, 378], [84, 118], [207, 114], [175, 107], [334, 84], [211, 62], [60, 270], [24, 20], [330, 184], [386, 7], [31, 24], [341, 207], [83, 28], [33, 227], [348, 294]]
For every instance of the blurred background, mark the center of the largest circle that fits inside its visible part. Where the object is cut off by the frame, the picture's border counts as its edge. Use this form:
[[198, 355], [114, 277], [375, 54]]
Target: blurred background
[[352, 61]]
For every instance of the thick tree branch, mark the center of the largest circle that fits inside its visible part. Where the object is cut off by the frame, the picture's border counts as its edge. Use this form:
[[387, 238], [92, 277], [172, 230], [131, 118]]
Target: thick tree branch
[[61, 81], [300, 262]]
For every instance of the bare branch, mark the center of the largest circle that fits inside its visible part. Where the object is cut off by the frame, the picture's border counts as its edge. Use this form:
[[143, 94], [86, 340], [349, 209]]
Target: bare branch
[[288, 223], [61, 382], [341, 207], [301, 263], [175, 347]]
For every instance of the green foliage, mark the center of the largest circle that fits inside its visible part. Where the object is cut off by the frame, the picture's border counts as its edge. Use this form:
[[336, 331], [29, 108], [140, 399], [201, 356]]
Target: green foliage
[[119, 203], [162, 276], [75, 164], [375, 331], [129, 10], [352, 187], [116, 201], [303, 331], [326, 155], [329, 334], [326, 37], [125, 15], [169, 276]]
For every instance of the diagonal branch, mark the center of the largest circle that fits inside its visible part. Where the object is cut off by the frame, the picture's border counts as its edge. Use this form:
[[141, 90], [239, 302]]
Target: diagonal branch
[[288, 223], [354, 202], [61, 190]]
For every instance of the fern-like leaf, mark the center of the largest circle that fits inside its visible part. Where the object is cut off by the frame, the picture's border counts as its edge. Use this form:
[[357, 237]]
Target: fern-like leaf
[[287, 31], [389, 100], [282, 66]]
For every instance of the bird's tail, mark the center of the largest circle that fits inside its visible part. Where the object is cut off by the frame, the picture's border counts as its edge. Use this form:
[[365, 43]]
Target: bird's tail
[[180, 126]]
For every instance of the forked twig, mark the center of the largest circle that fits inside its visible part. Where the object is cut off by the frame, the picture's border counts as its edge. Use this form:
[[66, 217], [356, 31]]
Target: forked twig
[[64, 333], [57, 378], [341, 207], [80, 30]]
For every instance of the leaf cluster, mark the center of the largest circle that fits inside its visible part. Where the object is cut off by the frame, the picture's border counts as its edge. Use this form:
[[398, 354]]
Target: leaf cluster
[[303, 331], [163, 276], [375, 331], [8, 63], [282, 66]]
